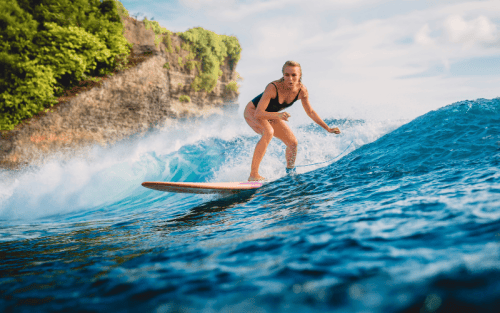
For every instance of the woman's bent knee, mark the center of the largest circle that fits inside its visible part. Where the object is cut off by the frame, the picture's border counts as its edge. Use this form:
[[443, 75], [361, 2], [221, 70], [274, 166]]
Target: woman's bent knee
[[292, 143]]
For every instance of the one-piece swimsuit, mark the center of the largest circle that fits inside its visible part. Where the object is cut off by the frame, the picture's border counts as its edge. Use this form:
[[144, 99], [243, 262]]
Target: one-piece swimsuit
[[274, 104]]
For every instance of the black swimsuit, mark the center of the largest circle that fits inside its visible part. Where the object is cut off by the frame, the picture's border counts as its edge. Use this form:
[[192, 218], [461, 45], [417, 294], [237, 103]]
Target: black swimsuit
[[274, 103]]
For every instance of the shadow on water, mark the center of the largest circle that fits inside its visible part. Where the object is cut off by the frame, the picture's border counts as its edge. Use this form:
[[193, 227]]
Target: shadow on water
[[206, 212]]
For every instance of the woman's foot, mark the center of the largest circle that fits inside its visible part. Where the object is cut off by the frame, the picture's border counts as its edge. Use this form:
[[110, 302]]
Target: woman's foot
[[256, 178]]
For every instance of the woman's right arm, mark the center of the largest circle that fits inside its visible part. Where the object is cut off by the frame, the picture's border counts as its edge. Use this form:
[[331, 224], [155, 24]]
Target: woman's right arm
[[261, 113]]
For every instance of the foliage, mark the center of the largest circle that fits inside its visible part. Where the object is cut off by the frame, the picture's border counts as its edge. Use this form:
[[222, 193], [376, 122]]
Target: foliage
[[70, 51], [233, 86], [29, 92], [233, 49], [179, 60], [184, 98], [158, 30], [49, 44], [186, 46], [191, 64], [167, 40], [212, 49], [121, 9], [166, 65], [155, 26], [204, 81]]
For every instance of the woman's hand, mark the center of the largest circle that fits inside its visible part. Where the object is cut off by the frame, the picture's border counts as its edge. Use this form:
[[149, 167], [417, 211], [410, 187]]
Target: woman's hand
[[335, 130], [283, 116]]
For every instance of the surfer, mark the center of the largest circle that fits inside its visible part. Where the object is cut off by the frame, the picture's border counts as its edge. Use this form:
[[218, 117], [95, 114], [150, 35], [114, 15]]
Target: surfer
[[263, 116]]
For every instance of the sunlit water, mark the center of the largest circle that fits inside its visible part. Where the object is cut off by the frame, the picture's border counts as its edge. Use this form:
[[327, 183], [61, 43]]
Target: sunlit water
[[407, 219]]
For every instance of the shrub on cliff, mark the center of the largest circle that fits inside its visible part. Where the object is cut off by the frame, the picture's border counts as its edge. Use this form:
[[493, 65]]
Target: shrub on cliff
[[211, 49], [233, 86], [155, 26], [52, 42], [121, 9], [184, 98]]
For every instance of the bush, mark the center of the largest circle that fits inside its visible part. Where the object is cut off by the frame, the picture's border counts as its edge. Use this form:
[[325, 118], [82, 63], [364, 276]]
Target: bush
[[167, 40], [155, 26], [233, 86], [184, 98], [204, 81], [211, 49], [70, 51], [158, 30], [121, 9], [29, 92], [191, 64], [53, 42], [166, 65]]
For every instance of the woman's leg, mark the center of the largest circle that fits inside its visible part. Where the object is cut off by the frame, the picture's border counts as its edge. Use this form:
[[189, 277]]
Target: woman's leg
[[285, 134], [264, 128], [260, 151]]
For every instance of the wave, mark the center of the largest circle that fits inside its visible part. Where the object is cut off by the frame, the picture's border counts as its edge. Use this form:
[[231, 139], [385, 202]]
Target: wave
[[455, 138]]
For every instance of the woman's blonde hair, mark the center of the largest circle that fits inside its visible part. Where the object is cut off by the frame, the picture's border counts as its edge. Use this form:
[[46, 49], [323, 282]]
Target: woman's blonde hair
[[292, 63]]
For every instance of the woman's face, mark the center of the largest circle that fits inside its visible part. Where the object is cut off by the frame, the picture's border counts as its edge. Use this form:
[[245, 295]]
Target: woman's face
[[291, 75]]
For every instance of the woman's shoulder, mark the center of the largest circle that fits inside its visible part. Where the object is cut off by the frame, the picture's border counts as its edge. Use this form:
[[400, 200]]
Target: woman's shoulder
[[272, 87], [303, 91], [275, 83]]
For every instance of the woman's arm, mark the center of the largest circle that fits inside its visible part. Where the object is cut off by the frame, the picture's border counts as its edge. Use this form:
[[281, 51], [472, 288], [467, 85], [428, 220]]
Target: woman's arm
[[304, 97], [261, 113]]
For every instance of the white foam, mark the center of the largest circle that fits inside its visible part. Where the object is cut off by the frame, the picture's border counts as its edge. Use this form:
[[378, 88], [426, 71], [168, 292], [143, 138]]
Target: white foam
[[108, 175]]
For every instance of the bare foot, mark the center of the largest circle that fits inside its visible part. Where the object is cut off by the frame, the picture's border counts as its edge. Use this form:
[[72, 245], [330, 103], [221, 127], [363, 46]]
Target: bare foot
[[256, 178]]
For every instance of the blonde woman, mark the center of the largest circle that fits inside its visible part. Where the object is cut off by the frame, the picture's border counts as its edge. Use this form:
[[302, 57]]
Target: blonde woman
[[264, 117]]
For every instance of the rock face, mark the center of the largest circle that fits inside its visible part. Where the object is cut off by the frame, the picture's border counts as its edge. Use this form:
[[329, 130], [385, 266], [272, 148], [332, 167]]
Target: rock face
[[129, 103]]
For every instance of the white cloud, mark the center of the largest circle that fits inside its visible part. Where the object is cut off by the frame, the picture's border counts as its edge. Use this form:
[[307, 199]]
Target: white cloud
[[278, 38], [423, 36], [478, 30], [356, 52], [204, 4]]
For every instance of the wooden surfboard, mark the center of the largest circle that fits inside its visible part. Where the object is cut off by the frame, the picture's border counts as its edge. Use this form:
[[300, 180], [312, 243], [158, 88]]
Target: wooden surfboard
[[203, 188]]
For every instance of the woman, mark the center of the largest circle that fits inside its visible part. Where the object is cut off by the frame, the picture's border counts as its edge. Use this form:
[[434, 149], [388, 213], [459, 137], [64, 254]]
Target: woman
[[262, 116]]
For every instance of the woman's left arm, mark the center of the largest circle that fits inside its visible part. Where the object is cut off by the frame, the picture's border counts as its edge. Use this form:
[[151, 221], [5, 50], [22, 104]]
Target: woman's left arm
[[304, 97]]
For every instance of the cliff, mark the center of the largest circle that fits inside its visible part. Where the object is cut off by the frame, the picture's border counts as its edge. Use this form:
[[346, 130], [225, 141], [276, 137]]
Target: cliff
[[129, 103]]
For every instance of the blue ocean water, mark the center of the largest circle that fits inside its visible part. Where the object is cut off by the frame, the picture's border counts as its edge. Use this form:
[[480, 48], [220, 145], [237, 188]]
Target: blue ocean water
[[406, 220]]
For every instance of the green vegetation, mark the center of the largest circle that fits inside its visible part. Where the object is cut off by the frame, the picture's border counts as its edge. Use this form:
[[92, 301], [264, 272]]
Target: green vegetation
[[186, 46], [167, 40], [192, 64], [211, 49], [158, 31], [121, 9], [184, 98], [232, 86], [49, 45]]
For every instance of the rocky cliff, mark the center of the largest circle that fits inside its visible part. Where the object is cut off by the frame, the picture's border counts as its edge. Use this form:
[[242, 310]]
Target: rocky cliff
[[131, 102]]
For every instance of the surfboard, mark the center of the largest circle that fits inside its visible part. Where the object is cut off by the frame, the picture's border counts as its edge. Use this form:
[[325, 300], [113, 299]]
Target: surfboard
[[203, 188]]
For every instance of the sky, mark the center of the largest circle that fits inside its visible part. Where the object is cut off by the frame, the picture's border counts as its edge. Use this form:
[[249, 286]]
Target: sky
[[380, 59]]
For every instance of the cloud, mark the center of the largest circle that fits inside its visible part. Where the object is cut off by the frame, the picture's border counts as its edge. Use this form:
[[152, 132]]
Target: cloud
[[479, 30], [357, 52], [204, 4], [278, 38], [423, 36], [235, 10]]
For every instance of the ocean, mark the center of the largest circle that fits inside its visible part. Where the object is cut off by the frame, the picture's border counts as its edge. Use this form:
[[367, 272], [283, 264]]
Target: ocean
[[399, 216]]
